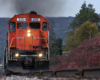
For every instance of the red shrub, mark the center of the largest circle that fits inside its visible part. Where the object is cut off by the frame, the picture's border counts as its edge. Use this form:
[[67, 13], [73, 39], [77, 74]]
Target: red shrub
[[85, 55], [94, 60]]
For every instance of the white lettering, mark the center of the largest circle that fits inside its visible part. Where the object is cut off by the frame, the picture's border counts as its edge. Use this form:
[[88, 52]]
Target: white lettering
[[21, 19], [35, 19]]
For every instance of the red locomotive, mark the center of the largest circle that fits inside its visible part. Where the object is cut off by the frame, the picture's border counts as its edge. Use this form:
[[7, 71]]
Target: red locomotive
[[27, 43]]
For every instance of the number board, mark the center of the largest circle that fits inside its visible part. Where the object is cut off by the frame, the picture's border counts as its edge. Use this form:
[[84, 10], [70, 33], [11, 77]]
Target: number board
[[21, 19], [35, 19]]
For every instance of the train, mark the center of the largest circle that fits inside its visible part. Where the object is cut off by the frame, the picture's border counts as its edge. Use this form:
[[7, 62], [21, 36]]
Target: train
[[27, 44]]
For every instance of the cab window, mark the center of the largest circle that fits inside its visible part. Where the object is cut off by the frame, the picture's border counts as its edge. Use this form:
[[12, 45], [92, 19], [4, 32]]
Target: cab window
[[12, 27], [44, 26], [34, 25], [22, 25]]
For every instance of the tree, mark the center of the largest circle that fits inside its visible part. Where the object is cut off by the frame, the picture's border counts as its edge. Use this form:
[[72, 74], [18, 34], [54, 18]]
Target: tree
[[55, 44], [59, 45], [85, 31], [85, 14], [82, 27], [72, 42], [52, 37]]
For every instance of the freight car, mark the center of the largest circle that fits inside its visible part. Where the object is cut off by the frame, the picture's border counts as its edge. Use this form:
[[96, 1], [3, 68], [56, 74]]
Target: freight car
[[27, 44]]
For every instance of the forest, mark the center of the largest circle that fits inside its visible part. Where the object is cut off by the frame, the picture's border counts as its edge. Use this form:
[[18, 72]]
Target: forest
[[82, 41]]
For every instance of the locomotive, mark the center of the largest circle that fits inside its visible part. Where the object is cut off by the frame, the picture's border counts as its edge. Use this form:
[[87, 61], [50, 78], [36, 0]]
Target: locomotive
[[27, 44]]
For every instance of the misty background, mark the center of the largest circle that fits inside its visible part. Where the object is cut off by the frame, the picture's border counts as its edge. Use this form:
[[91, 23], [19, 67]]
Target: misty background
[[46, 8], [43, 7]]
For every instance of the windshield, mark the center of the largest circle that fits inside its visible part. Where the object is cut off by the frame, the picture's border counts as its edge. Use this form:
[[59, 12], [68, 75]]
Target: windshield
[[12, 26], [44, 26], [34, 25], [22, 25]]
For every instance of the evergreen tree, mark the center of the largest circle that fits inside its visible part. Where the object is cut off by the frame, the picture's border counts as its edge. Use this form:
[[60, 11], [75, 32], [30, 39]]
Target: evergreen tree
[[59, 45], [53, 43], [85, 14], [84, 26]]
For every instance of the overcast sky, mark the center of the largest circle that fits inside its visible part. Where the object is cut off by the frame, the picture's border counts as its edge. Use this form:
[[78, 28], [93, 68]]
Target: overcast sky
[[46, 8]]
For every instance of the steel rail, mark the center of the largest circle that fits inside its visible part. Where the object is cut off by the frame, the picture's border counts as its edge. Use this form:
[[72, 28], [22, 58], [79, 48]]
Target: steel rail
[[78, 73]]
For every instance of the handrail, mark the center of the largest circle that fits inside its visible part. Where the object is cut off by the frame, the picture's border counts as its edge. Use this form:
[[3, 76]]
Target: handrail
[[24, 38], [12, 41], [41, 38]]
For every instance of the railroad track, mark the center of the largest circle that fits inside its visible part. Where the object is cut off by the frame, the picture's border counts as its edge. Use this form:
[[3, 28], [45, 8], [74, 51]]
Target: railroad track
[[68, 74], [16, 77]]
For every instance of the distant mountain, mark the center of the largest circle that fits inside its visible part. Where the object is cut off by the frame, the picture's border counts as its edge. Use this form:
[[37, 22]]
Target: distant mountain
[[61, 23], [3, 32], [61, 26]]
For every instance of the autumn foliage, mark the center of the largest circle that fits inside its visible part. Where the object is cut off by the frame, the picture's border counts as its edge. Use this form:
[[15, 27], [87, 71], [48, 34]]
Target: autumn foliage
[[85, 31], [87, 54]]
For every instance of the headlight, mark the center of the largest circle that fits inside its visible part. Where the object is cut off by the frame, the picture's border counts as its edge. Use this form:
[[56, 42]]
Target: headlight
[[40, 55], [28, 33], [17, 55]]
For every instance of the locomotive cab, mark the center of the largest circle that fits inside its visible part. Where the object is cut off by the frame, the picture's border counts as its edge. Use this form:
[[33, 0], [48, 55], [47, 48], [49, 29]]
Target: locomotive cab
[[27, 44]]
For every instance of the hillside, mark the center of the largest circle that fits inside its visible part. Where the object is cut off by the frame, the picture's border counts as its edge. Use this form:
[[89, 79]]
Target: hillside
[[61, 23], [87, 54]]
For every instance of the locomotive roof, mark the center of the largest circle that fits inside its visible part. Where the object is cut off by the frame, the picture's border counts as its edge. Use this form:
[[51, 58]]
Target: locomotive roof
[[27, 15]]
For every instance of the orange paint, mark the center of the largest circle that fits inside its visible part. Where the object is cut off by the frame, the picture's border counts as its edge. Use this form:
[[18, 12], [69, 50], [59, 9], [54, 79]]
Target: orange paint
[[20, 38]]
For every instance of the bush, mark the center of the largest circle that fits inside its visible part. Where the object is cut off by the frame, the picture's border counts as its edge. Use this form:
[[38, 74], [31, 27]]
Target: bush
[[87, 54]]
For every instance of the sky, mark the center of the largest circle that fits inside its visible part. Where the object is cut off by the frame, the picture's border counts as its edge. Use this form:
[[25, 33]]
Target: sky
[[46, 8]]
